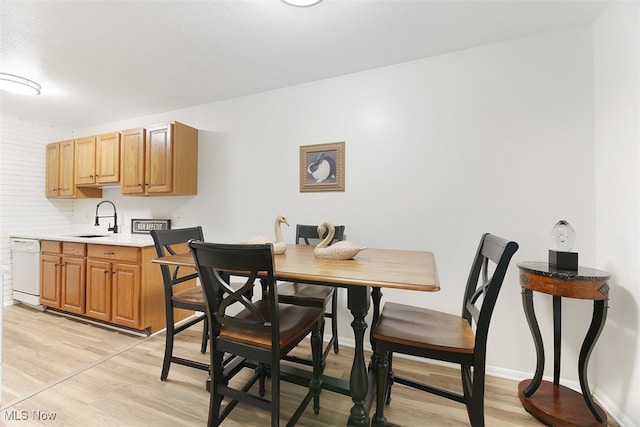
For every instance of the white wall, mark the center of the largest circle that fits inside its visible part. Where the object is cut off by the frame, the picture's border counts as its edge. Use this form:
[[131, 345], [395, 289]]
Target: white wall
[[497, 138], [617, 142]]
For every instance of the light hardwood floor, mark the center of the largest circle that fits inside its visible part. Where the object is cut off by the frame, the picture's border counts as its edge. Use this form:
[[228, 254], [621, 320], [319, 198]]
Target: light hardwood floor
[[85, 375]]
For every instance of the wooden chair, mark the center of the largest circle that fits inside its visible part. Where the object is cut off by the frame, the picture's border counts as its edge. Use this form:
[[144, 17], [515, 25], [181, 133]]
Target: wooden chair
[[308, 295], [436, 335], [171, 242], [262, 331]]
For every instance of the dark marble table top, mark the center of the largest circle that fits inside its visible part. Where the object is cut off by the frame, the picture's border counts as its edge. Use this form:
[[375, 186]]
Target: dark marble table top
[[583, 273]]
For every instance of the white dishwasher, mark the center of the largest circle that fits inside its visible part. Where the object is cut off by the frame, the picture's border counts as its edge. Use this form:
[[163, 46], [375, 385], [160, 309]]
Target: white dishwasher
[[26, 271]]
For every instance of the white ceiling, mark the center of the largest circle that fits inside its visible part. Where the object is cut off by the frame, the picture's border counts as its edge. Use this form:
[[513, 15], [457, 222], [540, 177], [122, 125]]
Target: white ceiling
[[102, 61]]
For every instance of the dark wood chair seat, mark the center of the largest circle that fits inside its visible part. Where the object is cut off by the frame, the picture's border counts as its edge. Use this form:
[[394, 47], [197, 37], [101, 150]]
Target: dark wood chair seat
[[423, 328], [193, 298], [291, 318], [432, 334], [292, 292]]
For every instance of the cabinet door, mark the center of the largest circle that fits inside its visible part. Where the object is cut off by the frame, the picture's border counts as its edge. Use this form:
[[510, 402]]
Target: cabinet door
[[108, 158], [73, 285], [159, 159], [98, 297], [50, 280], [132, 161], [53, 165], [126, 295], [85, 161], [66, 170]]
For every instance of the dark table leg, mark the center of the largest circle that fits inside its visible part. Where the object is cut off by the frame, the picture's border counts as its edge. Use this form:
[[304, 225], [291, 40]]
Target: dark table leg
[[527, 303], [597, 324], [557, 337], [358, 303], [376, 296]]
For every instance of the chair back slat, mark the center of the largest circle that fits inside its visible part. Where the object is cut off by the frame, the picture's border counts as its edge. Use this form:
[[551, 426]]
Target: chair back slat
[[485, 280], [215, 262], [171, 242], [309, 234], [237, 296]]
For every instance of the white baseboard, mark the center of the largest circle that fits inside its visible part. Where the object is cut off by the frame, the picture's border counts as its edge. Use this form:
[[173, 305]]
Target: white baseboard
[[612, 409]]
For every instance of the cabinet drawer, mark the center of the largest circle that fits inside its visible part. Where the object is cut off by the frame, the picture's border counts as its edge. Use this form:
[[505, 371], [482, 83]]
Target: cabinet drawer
[[119, 253], [73, 248], [51, 246]]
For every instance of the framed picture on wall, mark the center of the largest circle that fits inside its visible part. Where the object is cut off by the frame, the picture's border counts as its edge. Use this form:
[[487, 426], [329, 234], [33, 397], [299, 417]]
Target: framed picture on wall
[[322, 167]]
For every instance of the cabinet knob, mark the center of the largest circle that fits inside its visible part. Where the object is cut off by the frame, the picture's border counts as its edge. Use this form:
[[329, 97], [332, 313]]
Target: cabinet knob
[[106, 272]]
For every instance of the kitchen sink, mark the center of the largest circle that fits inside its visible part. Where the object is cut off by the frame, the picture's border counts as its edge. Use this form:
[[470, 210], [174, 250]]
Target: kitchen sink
[[90, 236]]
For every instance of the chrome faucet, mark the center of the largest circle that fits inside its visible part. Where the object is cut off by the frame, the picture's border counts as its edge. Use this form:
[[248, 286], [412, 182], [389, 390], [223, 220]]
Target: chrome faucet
[[115, 217]]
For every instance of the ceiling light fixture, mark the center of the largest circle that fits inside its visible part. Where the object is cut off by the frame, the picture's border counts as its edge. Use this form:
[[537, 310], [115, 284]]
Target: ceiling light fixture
[[19, 85], [301, 3]]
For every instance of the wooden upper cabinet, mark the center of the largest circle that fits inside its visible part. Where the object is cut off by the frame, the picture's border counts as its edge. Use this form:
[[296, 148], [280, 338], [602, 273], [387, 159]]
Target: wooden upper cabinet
[[85, 161], [132, 162], [97, 159], [161, 160], [158, 174], [66, 179], [53, 167], [108, 158], [60, 173]]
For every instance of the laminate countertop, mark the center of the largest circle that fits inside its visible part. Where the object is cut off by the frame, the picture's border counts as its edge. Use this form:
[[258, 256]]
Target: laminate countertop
[[120, 239]]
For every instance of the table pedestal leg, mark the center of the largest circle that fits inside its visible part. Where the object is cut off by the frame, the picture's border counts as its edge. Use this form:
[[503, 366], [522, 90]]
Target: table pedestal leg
[[376, 296], [358, 303]]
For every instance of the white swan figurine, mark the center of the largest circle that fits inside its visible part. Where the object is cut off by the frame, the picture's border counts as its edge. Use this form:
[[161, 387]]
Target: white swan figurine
[[279, 247], [339, 250]]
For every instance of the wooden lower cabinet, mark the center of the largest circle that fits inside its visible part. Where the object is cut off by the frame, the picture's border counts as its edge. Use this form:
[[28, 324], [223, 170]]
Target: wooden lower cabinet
[[50, 276], [113, 292], [73, 284], [62, 275], [99, 290], [126, 292], [114, 284]]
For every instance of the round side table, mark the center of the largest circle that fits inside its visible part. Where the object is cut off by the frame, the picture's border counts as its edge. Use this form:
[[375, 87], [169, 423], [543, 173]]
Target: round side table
[[552, 403]]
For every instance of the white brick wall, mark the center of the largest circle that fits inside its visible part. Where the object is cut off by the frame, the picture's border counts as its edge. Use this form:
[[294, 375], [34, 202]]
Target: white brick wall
[[23, 206]]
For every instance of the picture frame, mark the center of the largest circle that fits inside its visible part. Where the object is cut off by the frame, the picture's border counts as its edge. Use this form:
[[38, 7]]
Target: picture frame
[[144, 226], [322, 167]]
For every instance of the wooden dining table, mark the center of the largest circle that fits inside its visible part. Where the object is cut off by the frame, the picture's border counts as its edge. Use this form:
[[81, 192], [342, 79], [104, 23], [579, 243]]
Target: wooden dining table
[[363, 277]]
